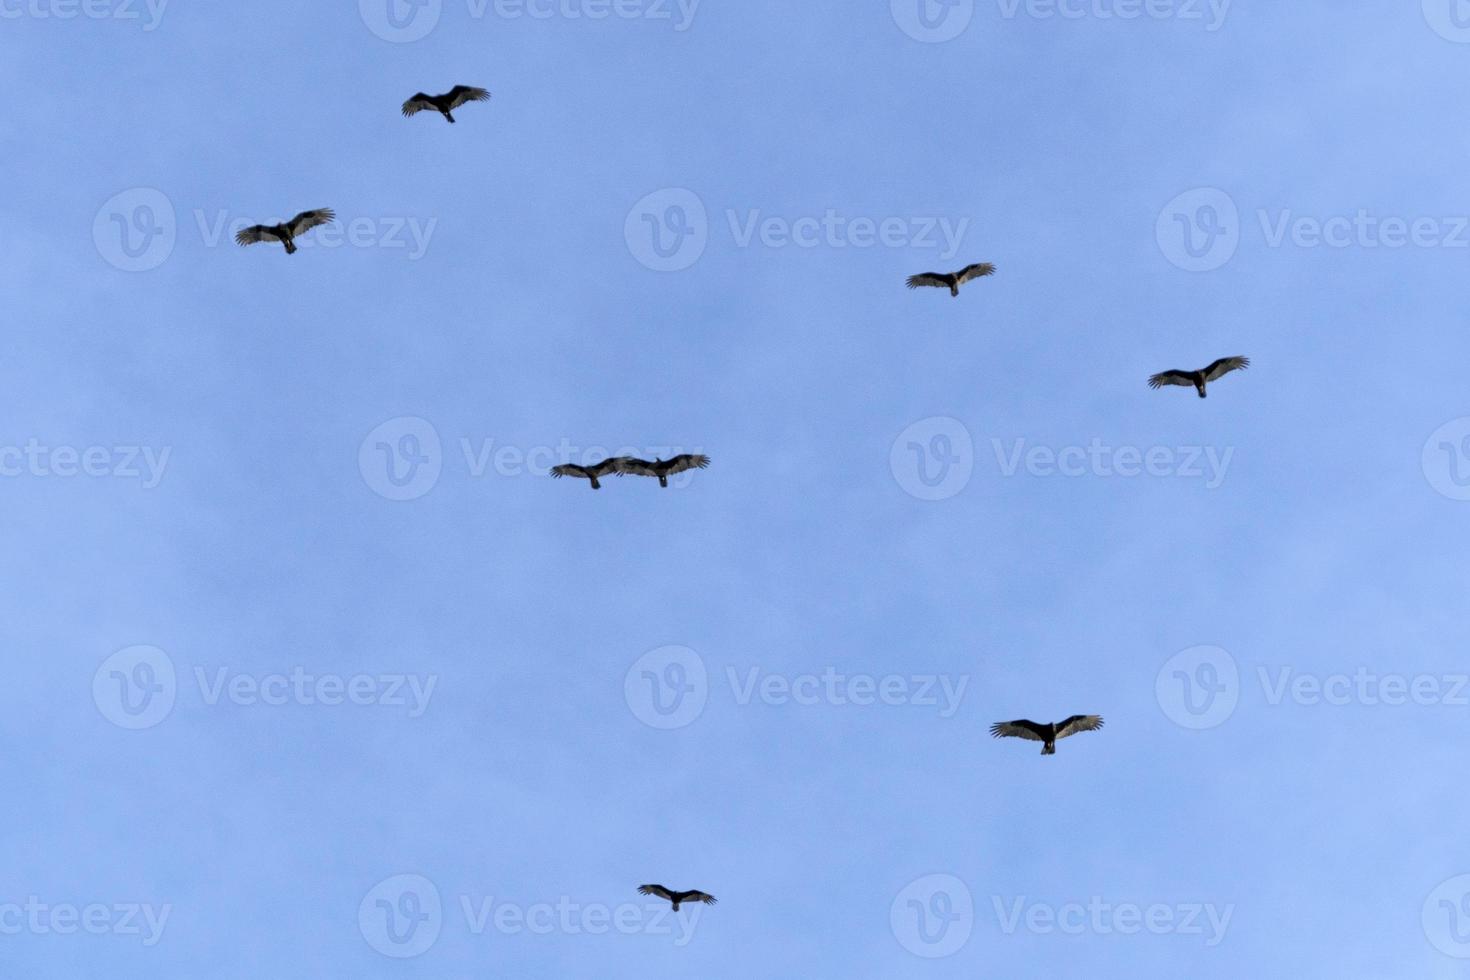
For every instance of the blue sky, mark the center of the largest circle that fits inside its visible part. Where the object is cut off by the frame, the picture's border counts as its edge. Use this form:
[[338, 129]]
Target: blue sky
[[313, 671]]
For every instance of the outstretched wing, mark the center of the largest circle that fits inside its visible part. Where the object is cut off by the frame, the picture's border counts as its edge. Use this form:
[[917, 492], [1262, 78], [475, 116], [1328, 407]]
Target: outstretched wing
[[613, 464], [255, 233], [686, 462], [1018, 729], [419, 103], [929, 279], [307, 220], [570, 469], [461, 94], [1079, 723], [1182, 378], [633, 466], [1225, 365], [697, 896], [657, 891], [976, 271]]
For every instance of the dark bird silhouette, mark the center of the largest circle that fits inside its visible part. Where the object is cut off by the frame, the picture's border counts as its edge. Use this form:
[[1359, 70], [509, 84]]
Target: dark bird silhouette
[[952, 280], [447, 102], [661, 468], [1199, 379], [678, 898], [1046, 733], [287, 232], [593, 473]]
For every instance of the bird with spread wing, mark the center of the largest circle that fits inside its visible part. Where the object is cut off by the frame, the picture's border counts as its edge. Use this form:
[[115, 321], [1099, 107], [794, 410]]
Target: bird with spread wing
[[662, 468], [1199, 379], [1048, 734], [678, 898], [952, 280], [594, 473], [446, 103], [287, 232]]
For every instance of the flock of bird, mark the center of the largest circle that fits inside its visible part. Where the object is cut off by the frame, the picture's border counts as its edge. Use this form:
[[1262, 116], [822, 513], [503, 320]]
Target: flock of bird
[[1048, 734]]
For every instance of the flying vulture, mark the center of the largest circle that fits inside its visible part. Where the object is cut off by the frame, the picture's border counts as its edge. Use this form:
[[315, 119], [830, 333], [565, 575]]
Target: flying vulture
[[952, 280], [1047, 733], [447, 102], [678, 898], [1199, 379], [593, 473], [287, 232], [660, 468]]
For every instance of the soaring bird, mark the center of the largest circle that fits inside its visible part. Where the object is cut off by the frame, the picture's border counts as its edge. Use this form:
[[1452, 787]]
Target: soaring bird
[[447, 102], [1047, 733], [287, 232], [954, 280], [660, 468], [593, 473], [678, 898], [1200, 378]]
